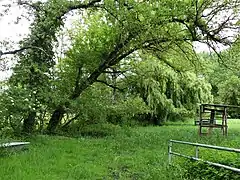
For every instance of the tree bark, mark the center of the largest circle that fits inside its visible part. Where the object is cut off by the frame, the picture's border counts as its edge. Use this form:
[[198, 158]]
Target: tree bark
[[55, 119], [28, 123]]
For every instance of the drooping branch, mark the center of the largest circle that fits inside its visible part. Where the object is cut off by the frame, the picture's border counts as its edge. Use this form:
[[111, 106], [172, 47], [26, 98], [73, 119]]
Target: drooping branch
[[167, 63], [13, 52], [110, 85], [115, 72], [73, 6], [35, 6], [201, 26], [21, 50]]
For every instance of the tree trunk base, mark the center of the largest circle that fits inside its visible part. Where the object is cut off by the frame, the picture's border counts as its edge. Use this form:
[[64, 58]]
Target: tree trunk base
[[28, 124], [55, 120]]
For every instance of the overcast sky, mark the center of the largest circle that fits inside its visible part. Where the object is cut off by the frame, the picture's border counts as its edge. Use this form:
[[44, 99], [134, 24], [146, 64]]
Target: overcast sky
[[10, 31]]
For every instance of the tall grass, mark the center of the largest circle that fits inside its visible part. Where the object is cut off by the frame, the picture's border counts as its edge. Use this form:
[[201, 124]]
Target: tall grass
[[139, 153]]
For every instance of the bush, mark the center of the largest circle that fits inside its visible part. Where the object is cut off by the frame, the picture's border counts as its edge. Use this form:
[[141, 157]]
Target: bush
[[200, 170], [94, 130], [6, 132], [100, 130]]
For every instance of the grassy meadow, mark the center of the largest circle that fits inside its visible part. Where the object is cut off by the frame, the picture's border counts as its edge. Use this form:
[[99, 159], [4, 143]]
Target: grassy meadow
[[136, 153]]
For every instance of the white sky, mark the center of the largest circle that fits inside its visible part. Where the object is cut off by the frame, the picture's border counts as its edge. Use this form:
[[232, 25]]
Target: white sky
[[10, 31]]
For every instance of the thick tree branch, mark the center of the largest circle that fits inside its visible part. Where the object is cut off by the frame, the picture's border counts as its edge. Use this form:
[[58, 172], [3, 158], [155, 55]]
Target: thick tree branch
[[79, 73], [70, 121]]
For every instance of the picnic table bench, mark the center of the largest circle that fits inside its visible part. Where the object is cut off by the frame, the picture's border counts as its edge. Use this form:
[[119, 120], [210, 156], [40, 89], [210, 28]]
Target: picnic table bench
[[210, 110]]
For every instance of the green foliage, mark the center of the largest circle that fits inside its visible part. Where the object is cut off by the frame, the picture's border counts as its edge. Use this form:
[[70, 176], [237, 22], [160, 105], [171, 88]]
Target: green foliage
[[223, 74], [169, 94], [97, 106], [6, 131], [200, 170], [124, 111], [229, 90], [16, 102]]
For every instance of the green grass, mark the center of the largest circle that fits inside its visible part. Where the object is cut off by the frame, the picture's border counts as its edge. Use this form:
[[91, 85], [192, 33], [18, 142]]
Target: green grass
[[139, 153]]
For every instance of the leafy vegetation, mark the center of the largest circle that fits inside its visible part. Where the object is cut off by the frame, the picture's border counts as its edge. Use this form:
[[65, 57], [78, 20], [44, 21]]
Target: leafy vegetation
[[199, 170], [136, 153], [124, 64]]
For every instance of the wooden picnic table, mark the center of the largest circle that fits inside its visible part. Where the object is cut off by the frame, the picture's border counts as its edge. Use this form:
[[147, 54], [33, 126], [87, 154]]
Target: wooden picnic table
[[211, 122]]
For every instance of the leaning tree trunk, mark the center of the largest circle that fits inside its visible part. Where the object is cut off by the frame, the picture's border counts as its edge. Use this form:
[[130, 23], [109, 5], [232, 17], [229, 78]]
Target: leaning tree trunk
[[55, 119], [81, 86], [28, 123]]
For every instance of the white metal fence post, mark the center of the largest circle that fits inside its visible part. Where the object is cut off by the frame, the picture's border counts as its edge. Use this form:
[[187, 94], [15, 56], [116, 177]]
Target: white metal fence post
[[170, 152], [196, 152]]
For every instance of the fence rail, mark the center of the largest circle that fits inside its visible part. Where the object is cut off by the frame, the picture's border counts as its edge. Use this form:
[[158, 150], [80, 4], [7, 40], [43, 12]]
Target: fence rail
[[196, 157], [13, 144]]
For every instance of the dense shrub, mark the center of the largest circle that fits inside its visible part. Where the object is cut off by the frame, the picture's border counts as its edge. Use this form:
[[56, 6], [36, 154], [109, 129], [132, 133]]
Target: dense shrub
[[97, 130], [200, 170]]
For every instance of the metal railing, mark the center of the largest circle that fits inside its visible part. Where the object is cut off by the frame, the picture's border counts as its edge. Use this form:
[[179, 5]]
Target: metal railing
[[196, 157], [13, 144]]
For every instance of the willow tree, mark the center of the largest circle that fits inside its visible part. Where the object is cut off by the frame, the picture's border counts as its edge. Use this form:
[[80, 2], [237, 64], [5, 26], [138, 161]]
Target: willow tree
[[171, 90], [121, 28]]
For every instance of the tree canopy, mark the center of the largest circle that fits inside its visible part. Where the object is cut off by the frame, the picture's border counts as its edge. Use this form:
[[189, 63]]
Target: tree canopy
[[126, 58]]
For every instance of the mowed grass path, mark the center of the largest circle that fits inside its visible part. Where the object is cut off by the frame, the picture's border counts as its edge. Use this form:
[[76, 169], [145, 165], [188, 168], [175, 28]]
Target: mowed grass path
[[138, 153]]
